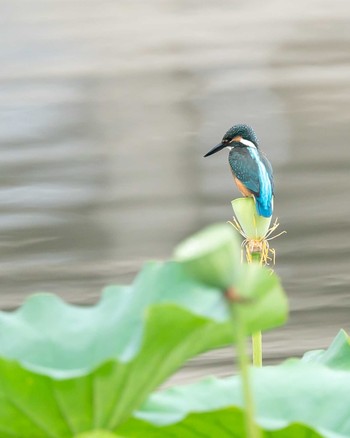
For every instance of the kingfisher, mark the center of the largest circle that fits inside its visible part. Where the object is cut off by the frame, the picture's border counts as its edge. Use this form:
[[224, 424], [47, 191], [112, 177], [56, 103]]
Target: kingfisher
[[251, 170]]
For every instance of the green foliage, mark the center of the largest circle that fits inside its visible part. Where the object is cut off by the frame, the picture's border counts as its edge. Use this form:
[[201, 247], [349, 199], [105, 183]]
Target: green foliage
[[98, 434], [88, 372], [87, 368], [211, 256], [253, 225], [295, 399], [67, 370], [336, 356], [263, 304]]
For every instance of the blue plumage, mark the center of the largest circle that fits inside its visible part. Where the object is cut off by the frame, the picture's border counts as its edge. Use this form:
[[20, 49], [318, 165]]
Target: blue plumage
[[250, 167]]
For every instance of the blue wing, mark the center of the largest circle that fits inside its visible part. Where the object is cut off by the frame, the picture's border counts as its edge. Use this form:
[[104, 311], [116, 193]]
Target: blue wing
[[245, 168], [269, 170]]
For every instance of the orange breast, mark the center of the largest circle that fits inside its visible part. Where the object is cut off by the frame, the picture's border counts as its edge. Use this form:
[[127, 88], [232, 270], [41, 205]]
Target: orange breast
[[242, 188]]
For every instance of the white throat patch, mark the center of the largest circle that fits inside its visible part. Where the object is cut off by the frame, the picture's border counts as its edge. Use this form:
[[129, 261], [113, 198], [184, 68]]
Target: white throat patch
[[247, 143]]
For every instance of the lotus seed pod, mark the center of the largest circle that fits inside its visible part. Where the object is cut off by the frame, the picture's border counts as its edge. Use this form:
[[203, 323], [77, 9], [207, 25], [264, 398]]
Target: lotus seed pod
[[253, 225]]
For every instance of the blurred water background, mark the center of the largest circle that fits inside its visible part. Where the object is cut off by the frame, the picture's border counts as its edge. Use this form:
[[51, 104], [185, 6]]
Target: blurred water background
[[106, 109]]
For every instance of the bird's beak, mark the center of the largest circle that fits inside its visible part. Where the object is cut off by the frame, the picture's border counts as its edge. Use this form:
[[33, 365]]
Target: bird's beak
[[215, 149]]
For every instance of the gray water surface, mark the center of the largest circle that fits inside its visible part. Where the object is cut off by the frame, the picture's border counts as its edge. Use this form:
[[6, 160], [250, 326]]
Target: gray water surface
[[106, 111]]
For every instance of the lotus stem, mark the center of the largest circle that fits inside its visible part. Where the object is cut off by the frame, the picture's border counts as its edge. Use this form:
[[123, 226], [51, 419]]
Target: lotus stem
[[252, 430], [257, 336], [257, 349]]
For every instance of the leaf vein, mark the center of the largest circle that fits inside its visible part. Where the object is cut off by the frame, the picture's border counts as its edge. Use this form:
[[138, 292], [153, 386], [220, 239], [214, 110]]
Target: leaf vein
[[61, 410], [31, 418]]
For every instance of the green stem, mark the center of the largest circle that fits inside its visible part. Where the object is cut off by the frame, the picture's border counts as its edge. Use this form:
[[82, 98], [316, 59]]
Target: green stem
[[257, 349], [256, 256], [252, 430], [256, 337]]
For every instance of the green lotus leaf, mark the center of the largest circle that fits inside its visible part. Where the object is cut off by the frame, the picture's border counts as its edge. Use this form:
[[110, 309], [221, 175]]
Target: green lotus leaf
[[336, 356], [223, 423], [212, 255], [262, 304], [98, 434], [294, 399], [66, 369], [76, 369]]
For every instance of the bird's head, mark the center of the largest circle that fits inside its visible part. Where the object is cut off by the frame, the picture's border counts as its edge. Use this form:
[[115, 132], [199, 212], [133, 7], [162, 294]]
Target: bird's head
[[238, 135]]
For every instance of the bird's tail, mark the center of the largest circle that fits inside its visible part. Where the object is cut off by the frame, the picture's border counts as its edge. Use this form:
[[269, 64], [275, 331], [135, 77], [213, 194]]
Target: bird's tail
[[263, 207]]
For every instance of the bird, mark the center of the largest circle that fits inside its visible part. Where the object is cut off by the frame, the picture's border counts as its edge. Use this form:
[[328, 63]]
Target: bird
[[252, 171]]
